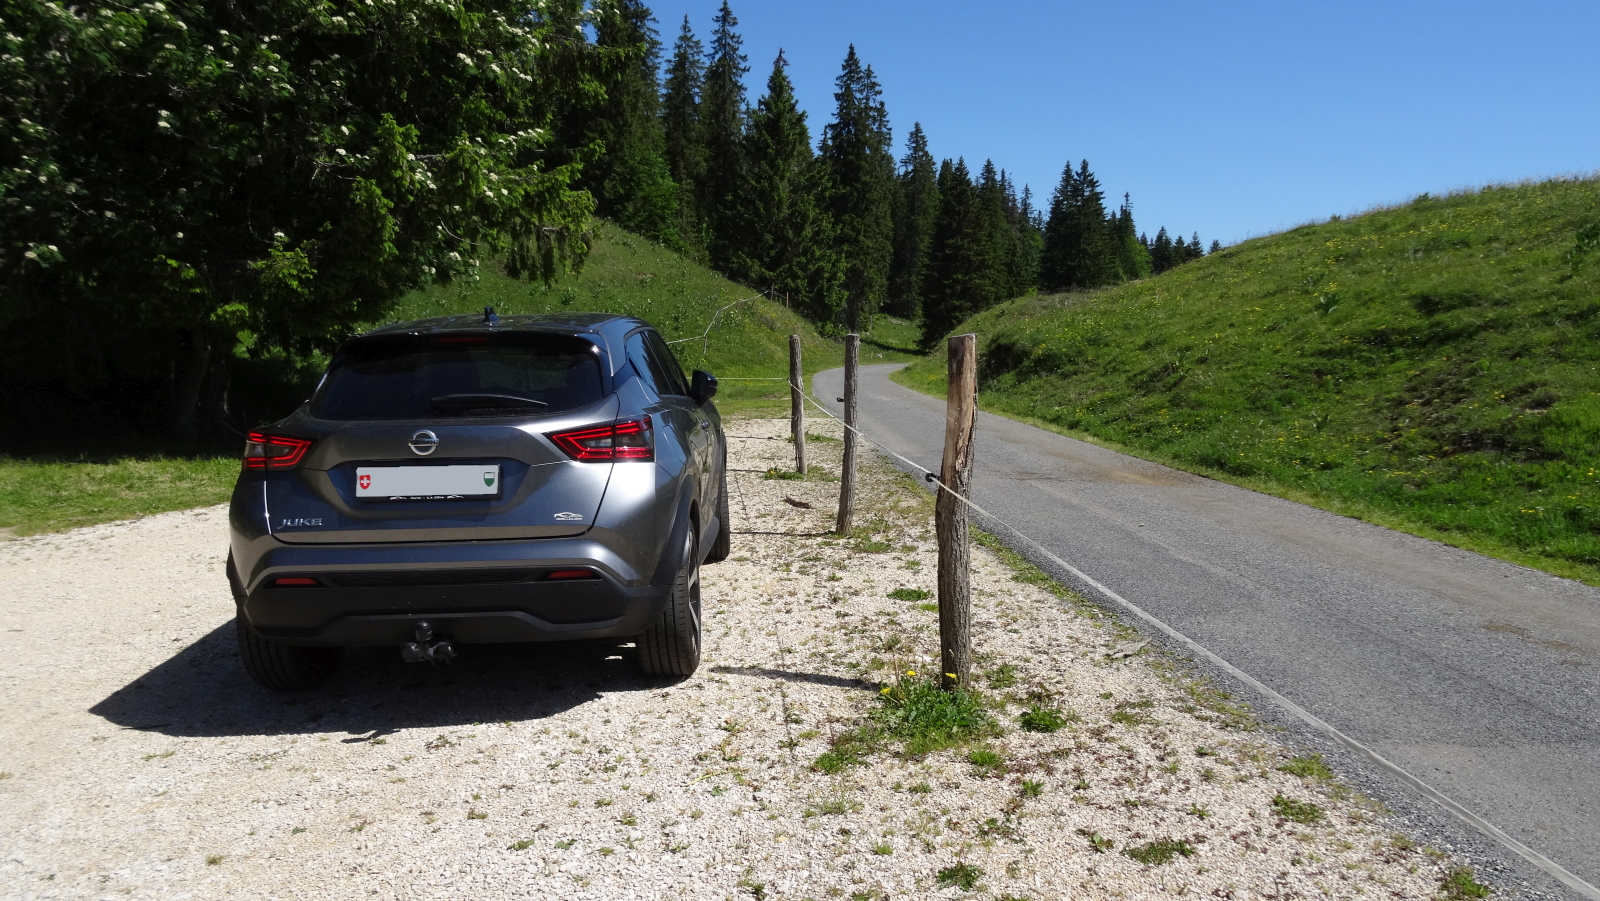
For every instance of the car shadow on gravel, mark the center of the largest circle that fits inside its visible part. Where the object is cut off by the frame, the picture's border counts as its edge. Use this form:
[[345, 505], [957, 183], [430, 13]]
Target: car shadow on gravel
[[203, 691]]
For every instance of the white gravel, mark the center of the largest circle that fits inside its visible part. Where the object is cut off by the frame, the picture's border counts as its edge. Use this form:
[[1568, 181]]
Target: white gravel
[[139, 762]]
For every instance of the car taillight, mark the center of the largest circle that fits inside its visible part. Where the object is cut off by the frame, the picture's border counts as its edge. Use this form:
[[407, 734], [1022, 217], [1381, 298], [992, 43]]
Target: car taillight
[[263, 451], [630, 440]]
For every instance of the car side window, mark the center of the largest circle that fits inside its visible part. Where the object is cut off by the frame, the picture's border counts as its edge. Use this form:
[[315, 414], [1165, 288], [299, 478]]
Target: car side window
[[639, 358], [671, 373]]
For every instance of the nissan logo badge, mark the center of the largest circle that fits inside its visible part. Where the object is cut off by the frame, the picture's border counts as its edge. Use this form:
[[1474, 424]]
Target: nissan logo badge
[[424, 443]]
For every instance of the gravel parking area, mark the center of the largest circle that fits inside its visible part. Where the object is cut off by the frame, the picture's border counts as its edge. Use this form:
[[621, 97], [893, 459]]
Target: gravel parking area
[[138, 761]]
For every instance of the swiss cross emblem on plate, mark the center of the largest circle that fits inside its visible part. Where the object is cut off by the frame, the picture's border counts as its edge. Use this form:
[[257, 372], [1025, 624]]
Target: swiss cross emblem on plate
[[365, 480]]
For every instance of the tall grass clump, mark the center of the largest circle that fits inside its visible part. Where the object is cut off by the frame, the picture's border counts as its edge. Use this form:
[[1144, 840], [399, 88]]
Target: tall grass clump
[[914, 713]]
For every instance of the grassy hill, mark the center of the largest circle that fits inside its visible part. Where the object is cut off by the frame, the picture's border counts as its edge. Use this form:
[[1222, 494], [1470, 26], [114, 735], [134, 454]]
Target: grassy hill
[[634, 276], [1433, 367], [624, 274]]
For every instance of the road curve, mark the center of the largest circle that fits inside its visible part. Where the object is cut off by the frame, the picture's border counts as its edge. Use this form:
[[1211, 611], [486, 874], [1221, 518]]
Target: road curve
[[1479, 677]]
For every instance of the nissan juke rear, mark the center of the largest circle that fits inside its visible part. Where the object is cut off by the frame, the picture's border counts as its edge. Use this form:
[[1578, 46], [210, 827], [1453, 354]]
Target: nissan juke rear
[[471, 480]]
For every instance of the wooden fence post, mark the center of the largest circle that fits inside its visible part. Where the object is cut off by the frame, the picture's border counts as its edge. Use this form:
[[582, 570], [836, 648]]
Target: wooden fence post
[[797, 403], [847, 473], [950, 515]]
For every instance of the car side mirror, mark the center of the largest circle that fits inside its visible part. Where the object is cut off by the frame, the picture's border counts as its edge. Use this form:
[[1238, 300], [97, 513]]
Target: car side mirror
[[703, 386]]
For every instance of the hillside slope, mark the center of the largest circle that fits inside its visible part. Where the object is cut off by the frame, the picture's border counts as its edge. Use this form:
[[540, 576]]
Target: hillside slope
[[1433, 367], [637, 277]]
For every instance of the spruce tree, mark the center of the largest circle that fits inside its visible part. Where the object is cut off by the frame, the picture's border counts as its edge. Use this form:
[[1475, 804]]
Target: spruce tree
[[784, 232], [998, 251], [1132, 251], [1030, 226], [855, 150], [1215, 246], [722, 114], [1055, 256], [1078, 250], [953, 283], [915, 209], [1161, 252], [630, 180], [680, 119]]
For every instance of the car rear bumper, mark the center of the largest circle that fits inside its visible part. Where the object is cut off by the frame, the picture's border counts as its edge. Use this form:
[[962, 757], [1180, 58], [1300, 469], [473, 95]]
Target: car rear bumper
[[331, 615], [470, 593]]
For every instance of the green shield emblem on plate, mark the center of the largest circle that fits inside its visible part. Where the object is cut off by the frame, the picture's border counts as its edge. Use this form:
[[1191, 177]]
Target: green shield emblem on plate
[[488, 479]]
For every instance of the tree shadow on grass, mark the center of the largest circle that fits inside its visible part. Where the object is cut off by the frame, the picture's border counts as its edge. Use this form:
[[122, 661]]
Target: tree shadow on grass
[[883, 345], [203, 691]]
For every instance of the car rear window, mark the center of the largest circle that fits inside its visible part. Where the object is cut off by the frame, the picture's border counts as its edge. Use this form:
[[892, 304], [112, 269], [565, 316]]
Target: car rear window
[[405, 378]]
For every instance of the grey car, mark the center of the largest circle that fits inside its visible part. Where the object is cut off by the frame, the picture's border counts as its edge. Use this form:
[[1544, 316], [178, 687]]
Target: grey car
[[483, 479]]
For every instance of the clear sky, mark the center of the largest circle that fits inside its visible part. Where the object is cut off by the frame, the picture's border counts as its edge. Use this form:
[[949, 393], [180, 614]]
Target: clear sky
[[1231, 118]]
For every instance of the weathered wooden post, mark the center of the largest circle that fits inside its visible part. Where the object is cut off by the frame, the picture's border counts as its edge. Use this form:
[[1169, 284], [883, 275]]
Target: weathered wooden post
[[847, 473], [950, 515], [797, 402]]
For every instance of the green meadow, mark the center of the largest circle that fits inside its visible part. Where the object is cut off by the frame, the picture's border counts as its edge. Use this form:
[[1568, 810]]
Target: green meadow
[[1432, 367]]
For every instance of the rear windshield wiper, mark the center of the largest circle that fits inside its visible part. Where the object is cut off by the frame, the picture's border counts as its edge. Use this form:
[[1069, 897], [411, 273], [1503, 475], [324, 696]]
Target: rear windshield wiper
[[460, 403]]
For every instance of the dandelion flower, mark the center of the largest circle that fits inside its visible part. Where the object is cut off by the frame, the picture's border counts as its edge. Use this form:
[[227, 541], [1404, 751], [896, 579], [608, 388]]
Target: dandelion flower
[[911, 672]]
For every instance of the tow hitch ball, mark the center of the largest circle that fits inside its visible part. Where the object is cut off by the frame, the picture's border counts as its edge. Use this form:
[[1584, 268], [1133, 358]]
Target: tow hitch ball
[[425, 649]]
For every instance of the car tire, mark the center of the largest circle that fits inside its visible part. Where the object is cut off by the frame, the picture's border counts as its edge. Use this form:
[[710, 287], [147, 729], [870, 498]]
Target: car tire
[[282, 667], [722, 545], [671, 647], [275, 666]]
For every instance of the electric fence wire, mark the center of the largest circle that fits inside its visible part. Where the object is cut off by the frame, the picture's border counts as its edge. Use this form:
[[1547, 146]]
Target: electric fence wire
[[705, 337]]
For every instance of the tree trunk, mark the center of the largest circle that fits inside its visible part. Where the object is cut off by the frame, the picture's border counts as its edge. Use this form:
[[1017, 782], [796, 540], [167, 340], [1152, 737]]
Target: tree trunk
[[950, 515], [186, 399]]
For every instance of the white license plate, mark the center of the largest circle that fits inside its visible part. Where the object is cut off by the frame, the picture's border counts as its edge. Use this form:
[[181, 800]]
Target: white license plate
[[427, 483]]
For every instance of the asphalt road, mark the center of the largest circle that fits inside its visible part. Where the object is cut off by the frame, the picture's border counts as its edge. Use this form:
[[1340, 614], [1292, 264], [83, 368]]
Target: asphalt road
[[1479, 677]]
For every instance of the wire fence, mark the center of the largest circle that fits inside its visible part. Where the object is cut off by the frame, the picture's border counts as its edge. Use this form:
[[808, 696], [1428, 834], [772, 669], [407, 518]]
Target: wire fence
[[1561, 874]]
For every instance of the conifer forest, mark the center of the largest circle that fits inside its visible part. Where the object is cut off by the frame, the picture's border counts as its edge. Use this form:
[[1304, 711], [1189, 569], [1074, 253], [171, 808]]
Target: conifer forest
[[834, 224]]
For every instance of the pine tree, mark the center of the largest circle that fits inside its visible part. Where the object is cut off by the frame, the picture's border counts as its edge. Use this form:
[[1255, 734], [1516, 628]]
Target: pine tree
[[915, 209], [1030, 228], [1022, 268], [998, 250], [1132, 251], [722, 115], [680, 119], [953, 283], [1162, 255], [631, 180], [1078, 248], [1215, 247], [855, 150], [783, 231]]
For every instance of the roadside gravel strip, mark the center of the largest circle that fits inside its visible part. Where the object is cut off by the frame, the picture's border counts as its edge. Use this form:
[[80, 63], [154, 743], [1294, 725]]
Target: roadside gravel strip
[[139, 762]]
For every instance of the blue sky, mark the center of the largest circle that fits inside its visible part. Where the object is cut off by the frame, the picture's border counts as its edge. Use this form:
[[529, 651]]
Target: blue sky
[[1230, 118]]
